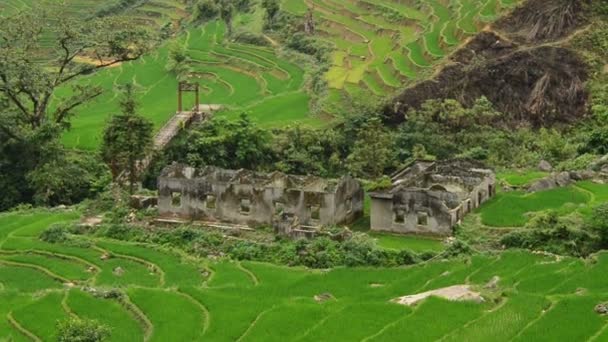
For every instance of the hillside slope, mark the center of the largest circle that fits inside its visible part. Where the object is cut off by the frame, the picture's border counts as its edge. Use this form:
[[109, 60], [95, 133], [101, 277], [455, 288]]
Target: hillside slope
[[524, 64]]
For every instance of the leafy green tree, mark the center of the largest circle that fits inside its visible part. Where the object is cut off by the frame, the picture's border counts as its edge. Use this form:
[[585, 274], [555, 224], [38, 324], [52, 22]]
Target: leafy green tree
[[82, 330], [272, 7], [127, 139], [205, 10], [29, 85], [599, 223], [227, 14], [373, 150], [178, 60], [229, 144], [35, 60], [309, 151]]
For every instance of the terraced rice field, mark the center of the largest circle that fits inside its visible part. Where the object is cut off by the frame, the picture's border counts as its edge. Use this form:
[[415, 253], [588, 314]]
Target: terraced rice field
[[169, 298], [382, 45], [243, 78], [155, 13], [511, 209]]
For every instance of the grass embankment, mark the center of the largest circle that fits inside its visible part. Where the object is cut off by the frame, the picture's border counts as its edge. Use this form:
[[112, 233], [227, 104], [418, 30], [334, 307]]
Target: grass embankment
[[511, 209], [226, 301]]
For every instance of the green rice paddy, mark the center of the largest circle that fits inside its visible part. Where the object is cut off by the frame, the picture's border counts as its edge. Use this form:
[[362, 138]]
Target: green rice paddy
[[240, 77], [511, 209], [383, 45], [544, 298]]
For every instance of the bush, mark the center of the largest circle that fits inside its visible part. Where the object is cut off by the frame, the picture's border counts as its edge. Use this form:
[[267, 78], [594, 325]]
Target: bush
[[120, 231], [247, 37], [81, 330], [205, 10], [599, 223], [57, 233], [549, 232]]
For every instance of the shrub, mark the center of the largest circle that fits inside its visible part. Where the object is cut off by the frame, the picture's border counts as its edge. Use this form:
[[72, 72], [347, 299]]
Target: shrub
[[457, 248], [119, 231], [206, 10], [549, 232], [81, 330], [56, 233], [599, 223], [247, 37]]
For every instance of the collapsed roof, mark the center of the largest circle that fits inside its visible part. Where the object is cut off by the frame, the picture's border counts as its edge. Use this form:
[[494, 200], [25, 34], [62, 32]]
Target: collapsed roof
[[275, 179]]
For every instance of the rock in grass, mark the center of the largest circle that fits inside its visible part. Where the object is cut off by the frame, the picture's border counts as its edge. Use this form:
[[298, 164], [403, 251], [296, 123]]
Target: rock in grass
[[323, 297], [545, 166], [118, 271], [602, 308]]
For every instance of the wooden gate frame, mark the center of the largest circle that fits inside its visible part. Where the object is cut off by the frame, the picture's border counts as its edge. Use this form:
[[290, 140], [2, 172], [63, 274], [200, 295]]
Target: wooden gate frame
[[187, 87]]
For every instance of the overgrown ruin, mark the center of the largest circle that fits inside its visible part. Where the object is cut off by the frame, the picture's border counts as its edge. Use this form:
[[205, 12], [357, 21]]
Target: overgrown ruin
[[431, 197], [256, 199]]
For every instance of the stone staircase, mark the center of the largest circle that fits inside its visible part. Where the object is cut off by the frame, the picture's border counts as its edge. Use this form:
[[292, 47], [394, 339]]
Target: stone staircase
[[178, 122]]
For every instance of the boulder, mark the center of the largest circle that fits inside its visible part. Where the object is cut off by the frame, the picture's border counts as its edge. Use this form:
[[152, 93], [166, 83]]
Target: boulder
[[563, 178], [118, 271], [542, 184], [545, 166], [601, 308]]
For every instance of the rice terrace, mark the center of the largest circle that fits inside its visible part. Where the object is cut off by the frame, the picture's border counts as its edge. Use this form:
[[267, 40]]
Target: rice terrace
[[303, 170]]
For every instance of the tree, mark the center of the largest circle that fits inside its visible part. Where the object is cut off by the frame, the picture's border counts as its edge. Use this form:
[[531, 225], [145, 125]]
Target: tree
[[178, 60], [127, 139], [81, 330], [372, 152], [599, 223], [29, 85], [272, 8], [205, 10], [35, 60], [229, 144], [227, 14]]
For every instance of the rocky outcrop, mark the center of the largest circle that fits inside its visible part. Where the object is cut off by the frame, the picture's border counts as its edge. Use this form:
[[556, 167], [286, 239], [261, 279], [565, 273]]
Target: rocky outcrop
[[561, 179]]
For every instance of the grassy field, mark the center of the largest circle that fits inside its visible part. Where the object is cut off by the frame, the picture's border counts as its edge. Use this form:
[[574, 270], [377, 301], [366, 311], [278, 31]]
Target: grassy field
[[543, 298], [510, 209]]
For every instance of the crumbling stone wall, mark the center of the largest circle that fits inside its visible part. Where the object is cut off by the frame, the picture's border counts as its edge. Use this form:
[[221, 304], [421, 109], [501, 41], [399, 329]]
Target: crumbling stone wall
[[432, 201], [242, 197]]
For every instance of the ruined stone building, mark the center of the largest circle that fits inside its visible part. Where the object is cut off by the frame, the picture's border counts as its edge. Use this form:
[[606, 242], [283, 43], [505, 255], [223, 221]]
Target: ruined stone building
[[431, 197], [255, 199]]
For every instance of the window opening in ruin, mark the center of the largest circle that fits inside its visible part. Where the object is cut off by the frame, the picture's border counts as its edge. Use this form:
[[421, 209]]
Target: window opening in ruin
[[279, 207], [491, 190], [400, 217], [210, 202], [349, 205], [423, 219], [479, 198], [315, 212], [245, 206], [176, 199]]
